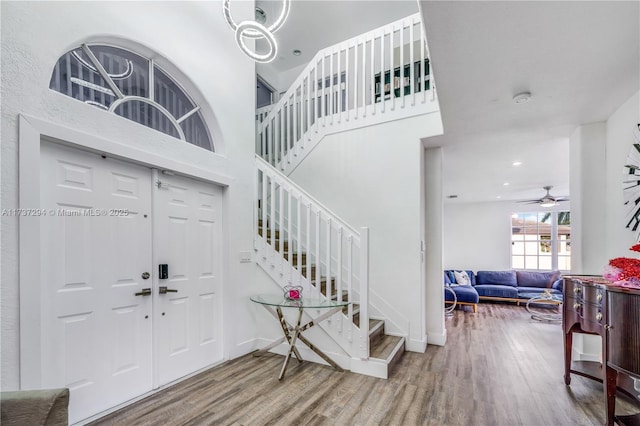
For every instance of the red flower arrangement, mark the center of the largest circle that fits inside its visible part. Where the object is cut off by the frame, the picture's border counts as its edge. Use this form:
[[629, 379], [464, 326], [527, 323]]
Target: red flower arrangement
[[624, 271]]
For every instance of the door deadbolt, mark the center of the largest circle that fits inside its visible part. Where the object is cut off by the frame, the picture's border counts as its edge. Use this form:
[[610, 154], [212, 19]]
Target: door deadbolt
[[145, 275], [163, 271]]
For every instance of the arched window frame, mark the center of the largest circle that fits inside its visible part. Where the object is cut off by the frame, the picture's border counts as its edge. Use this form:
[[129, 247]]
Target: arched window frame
[[110, 88]]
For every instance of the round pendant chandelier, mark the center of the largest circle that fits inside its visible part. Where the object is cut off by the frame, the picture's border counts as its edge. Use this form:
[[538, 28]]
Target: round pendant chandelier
[[255, 30]]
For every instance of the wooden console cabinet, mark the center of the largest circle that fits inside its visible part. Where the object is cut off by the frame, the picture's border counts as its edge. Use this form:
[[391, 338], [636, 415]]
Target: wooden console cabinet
[[593, 306]]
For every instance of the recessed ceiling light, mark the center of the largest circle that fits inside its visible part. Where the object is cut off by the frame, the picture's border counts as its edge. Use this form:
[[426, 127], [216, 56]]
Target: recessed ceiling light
[[297, 52], [499, 196], [505, 184], [522, 98], [517, 163]]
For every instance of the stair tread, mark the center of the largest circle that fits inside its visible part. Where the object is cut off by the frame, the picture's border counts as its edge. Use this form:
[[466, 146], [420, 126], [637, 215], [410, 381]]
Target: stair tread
[[383, 349], [374, 323]]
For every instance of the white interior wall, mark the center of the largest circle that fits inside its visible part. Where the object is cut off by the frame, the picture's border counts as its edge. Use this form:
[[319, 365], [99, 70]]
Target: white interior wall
[[370, 177], [599, 153], [477, 236], [35, 34], [619, 139]]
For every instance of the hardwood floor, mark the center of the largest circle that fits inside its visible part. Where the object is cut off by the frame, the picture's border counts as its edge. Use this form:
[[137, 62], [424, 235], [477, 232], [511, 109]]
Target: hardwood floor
[[499, 367]]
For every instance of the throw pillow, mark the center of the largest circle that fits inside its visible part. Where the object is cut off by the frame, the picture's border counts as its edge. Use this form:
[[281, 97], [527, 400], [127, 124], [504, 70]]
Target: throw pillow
[[462, 277]]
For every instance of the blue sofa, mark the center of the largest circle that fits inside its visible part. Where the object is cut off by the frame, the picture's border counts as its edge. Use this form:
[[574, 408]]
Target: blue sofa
[[513, 286]]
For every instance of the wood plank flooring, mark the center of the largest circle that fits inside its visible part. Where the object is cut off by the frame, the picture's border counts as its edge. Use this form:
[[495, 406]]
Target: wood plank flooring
[[499, 367]]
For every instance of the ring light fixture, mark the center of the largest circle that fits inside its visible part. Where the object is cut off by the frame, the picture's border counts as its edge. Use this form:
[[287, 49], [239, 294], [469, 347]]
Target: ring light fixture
[[255, 30], [247, 26]]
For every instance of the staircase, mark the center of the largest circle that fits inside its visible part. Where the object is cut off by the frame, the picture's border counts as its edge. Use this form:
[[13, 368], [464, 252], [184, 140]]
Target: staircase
[[301, 242], [377, 77]]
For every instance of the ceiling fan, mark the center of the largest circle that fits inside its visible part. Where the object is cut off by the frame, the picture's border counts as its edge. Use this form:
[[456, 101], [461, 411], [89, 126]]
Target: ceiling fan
[[547, 200]]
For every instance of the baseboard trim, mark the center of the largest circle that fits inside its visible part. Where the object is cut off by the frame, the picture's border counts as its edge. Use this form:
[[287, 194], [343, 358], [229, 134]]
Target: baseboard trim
[[245, 347], [370, 367], [582, 356], [438, 339], [415, 345]]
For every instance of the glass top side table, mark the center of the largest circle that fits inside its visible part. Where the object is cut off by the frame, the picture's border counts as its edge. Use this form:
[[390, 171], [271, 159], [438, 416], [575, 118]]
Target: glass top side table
[[292, 333], [537, 300]]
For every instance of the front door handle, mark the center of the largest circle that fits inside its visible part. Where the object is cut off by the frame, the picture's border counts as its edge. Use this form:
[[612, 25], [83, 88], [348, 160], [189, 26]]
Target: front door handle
[[164, 290], [144, 292]]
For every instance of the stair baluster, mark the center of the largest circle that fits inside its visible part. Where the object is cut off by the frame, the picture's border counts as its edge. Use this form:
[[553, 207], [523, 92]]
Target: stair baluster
[[305, 248]]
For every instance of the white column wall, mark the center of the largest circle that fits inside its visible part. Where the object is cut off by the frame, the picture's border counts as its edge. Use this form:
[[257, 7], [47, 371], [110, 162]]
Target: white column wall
[[35, 34], [598, 155], [433, 225], [588, 192]]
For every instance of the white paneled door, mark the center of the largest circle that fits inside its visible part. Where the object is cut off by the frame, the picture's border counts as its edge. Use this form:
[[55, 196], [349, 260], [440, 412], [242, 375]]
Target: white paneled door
[[187, 235], [109, 332]]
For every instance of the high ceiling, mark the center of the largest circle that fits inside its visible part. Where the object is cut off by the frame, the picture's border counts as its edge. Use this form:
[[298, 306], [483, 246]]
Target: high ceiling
[[579, 59], [315, 24]]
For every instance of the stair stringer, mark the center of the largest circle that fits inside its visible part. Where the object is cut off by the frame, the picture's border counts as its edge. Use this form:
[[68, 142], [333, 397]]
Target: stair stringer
[[372, 115], [395, 324]]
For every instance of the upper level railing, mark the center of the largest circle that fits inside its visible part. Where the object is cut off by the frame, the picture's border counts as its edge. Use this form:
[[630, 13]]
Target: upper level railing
[[372, 74], [306, 244]]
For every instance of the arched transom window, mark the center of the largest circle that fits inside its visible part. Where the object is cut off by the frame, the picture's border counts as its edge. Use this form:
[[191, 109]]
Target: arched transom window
[[133, 87]]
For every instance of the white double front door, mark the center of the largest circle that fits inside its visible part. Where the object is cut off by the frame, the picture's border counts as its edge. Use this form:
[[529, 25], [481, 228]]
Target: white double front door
[[111, 328]]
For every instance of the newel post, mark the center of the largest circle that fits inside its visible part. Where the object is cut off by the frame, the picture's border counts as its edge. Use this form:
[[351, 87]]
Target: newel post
[[364, 293]]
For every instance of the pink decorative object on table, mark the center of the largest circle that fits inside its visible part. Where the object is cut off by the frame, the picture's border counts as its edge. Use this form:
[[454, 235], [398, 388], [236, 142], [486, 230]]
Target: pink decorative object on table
[[624, 271], [293, 292]]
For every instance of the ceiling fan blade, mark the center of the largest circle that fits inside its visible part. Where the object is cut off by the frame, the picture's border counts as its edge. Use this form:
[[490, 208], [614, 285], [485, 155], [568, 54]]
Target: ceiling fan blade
[[530, 201], [562, 199]]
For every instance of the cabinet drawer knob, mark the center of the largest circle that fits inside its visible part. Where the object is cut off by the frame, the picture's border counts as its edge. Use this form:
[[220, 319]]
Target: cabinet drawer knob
[[599, 316], [576, 289], [599, 297], [576, 306]]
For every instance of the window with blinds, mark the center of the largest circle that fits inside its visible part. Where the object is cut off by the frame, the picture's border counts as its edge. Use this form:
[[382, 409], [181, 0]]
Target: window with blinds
[[131, 86]]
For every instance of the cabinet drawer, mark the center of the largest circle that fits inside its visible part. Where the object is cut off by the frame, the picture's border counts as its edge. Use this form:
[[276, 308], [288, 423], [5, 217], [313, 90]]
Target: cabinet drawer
[[593, 294], [593, 313]]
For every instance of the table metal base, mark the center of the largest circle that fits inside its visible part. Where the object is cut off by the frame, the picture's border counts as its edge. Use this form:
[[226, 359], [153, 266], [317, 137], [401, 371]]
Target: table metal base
[[544, 316], [293, 333]]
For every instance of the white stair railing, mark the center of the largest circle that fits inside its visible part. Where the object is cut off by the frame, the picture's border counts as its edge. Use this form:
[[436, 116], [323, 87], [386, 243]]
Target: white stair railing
[[377, 76], [301, 242]]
